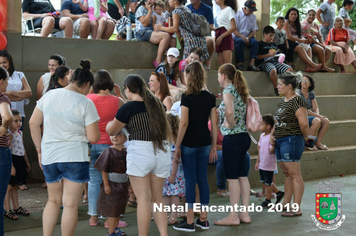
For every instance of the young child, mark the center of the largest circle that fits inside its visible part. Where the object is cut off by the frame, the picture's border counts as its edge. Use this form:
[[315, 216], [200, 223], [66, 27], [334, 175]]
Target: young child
[[267, 58], [344, 13], [224, 44], [97, 25], [20, 168], [158, 16], [174, 185], [266, 161], [114, 188], [280, 39]]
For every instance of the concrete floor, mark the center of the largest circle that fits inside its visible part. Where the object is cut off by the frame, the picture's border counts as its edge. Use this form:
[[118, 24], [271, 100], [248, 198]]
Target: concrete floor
[[263, 223]]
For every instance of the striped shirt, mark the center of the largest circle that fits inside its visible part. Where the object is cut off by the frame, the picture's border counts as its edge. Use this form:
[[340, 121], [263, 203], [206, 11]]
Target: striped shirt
[[286, 122], [4, 140], [135, 116]]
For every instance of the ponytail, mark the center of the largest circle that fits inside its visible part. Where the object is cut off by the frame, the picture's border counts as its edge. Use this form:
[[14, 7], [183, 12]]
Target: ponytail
[[237, 79]]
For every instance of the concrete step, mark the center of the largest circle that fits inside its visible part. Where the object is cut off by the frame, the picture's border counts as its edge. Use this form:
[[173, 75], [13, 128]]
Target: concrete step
[[340, 133], [336, 161]]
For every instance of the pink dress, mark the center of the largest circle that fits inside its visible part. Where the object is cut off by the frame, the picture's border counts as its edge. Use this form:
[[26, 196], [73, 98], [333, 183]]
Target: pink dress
[[91, 10], [340, 37]]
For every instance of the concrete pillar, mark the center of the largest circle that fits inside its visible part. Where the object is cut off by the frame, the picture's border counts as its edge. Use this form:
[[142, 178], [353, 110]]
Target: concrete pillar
[[262, 15]]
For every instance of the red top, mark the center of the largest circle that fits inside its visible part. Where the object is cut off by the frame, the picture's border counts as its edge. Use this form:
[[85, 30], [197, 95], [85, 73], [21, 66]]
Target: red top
[[220, 138], [4, 140], [107, 107], [337, 36]]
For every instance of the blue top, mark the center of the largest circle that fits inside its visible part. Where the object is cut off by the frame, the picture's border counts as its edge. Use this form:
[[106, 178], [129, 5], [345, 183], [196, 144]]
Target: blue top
[[203, 10], [142, 11], [72, 7]]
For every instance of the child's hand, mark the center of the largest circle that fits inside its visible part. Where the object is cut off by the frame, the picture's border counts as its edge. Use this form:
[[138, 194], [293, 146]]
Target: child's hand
[[171, 179], [28, 168], [13, 171], [107, 189], [218, 40], [117, 90], [256, 166]]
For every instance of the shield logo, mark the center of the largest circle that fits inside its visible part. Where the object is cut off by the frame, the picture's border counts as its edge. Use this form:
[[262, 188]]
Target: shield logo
[[328, 207]]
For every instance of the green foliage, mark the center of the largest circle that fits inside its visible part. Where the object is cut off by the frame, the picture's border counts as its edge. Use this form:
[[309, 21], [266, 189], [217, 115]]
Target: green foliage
[[280, 8]]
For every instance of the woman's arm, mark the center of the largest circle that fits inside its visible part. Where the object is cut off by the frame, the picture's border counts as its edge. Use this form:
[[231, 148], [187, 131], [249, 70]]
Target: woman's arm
[[229, 110], [35, 123], [289, 35], [121, 9], [172, 29], [168, 102], [27, 15], [26, 92], [227, 33], [39, 88], [6, 116], [184, 121], [114, 127], [145, 20], [214, 135], [93, 132], [103, 6], [258, 158], [302, 117]]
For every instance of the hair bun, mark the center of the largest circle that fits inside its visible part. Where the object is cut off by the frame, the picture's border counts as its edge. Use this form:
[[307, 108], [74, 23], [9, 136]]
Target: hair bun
[[85, 65], [299, 76]]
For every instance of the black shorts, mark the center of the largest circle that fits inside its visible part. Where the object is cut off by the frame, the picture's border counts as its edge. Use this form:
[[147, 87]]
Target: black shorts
[[37, 23], [266, 177], [21, 172], [292, 44]]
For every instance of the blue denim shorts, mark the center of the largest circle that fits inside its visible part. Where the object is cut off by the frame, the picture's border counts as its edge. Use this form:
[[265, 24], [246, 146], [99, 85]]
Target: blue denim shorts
[[290, 148], [310, 120], [144, 35], [266, 177], [74, 171]]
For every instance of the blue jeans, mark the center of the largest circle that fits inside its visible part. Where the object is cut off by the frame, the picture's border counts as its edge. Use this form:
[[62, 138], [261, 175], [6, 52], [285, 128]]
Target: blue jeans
[[220, 173], [290, 148], [195, 165], [95, 178], [5, 171], [239, 48]]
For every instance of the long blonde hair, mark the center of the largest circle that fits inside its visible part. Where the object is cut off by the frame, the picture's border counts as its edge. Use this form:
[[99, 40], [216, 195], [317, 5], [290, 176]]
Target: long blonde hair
[[195, 75], [237, 79]]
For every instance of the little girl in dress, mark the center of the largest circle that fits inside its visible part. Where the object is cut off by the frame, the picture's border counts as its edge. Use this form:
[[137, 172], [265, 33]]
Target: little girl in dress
[[174, 185], [97, 24]]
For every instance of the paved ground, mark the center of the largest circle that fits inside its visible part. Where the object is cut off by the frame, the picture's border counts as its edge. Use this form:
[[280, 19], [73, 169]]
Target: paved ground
[[263, 223]]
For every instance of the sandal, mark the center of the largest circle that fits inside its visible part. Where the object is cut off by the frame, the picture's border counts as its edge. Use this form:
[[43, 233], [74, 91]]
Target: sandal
[[118, 231], [9, 214], [132, 203], [172, 221], [225, 194], [322, 147], [21, 211], [23, 187]]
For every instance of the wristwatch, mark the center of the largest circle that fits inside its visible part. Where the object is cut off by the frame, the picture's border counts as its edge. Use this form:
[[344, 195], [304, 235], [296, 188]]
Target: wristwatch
[[247, 38]]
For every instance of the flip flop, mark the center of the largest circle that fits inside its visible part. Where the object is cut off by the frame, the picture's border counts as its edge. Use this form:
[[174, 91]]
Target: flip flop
[[93, 223], [291, 214], [223, 194], [132, 203]]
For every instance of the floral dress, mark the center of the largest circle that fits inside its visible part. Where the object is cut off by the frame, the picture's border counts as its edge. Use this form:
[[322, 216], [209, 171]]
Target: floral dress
[[190, 40], [240, 109], [178, 187]]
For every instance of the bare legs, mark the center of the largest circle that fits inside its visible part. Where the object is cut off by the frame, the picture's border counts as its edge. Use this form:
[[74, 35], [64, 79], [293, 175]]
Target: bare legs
[[319, 129], [47, 26], [71, 193], [225, 57], [304, 57], [162, 39], [148, 190], [294, 184], [323, 56], [66, 24], [211, 49]]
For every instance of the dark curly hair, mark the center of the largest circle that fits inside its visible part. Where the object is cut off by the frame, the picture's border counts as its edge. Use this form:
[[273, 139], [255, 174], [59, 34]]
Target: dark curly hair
[[312, 83]]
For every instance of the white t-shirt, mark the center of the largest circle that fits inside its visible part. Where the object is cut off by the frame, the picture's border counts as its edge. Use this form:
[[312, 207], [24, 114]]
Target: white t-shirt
[[45, 80], [224, 17], [15, 84], [66, 114]]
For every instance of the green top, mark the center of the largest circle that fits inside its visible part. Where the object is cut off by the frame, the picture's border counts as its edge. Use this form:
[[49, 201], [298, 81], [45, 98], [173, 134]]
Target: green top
[[123, 2], [239, 113]]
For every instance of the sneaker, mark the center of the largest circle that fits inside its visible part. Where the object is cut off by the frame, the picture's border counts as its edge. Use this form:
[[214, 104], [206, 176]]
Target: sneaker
[[202, 224], [184, 226], [276, 93], [240, 67], [280, 195], [265, 203], [253, 68]]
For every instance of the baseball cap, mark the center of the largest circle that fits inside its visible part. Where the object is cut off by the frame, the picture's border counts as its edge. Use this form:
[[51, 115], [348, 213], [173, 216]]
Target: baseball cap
[[173, 51], [251, 5]]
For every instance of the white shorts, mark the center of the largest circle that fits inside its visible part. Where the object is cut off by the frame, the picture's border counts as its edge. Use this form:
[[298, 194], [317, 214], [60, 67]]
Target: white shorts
[[141, 159]]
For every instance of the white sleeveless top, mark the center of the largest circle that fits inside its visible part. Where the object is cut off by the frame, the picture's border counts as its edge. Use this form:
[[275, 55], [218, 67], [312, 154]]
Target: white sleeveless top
[[45, 80], [15, 84]]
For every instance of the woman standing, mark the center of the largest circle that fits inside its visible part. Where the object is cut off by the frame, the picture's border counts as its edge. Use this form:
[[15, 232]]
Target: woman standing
[[311, 30], [194, 144], [159, 86], [289, 136], [181, 19], [294, 35], [5, 153], [236, 140], [54, 62], [318, 124], [148, 155], [339, 40], [70, 121], [102, 99], [18, 88]]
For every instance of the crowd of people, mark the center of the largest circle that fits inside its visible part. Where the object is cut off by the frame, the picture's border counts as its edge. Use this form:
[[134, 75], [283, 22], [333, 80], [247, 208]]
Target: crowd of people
[[158, 138]]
